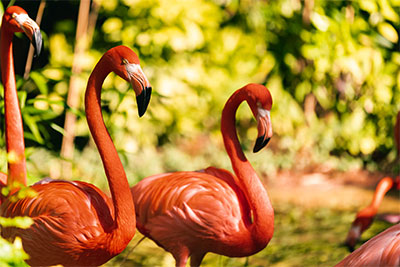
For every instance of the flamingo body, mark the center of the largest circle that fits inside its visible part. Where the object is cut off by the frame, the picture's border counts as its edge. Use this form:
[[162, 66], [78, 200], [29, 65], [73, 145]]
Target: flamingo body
[[198, 206], [81, 234], [381, 250], [192, 213]]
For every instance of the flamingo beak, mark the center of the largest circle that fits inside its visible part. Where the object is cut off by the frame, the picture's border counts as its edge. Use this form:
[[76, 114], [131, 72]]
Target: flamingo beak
[[37, 42], [31, 29], [143, 100], [140, 85], [264, 129]]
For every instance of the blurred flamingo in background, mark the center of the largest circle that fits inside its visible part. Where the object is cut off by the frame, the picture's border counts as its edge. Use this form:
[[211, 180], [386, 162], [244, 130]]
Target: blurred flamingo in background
[[15, 19], [192, 213], [75, 223], [365, 216], [381, 250]]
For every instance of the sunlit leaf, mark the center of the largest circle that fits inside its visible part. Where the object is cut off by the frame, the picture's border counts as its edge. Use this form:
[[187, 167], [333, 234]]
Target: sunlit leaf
[[20, 222], [40, 81], [33, 126], [388, 32]]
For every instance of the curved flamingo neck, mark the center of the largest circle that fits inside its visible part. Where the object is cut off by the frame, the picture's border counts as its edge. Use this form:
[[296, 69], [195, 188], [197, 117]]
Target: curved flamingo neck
[[13, 120], [365, 216], [125, 220], [262, 227], [382, 188]]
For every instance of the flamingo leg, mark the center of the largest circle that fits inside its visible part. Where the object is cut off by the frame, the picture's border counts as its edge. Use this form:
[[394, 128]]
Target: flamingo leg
[[181, 258], [196, 259]]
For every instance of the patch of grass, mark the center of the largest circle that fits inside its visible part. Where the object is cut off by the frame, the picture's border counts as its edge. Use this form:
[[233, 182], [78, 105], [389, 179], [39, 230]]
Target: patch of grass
[[302, 237]]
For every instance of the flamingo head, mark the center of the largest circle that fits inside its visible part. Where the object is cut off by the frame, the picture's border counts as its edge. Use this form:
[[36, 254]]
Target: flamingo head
[[17, 20], [360, 224], [125, 63], [260, 102]]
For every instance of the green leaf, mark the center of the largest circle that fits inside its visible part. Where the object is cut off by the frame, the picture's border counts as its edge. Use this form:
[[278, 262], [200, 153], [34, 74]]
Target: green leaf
[[33, 126], [20, 222], [57, 128], [40, 82]]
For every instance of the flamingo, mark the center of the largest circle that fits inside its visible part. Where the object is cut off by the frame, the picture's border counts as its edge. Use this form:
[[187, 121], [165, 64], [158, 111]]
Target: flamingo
[[192, 213], [15, 19], [381, 250], [75, 223], [365, 216]]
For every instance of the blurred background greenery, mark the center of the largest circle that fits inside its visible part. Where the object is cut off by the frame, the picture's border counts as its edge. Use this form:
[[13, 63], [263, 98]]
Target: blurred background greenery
[[332, 68]]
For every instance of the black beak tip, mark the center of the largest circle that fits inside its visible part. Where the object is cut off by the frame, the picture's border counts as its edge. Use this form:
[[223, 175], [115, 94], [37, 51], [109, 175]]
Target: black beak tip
[[143, 100], [37, 42], [260, 143], [349, 247]]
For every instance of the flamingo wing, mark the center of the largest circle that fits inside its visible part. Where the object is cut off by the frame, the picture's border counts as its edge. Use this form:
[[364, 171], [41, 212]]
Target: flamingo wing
[[381, 250], [232, 181], [67, 218], [197, 205]]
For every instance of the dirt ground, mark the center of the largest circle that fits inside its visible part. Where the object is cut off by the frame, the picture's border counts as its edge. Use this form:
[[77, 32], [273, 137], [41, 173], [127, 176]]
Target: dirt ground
[[349, 190]]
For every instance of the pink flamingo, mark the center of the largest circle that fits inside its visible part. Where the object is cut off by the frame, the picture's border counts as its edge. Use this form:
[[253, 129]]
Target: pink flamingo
[[75, 223], [365, 216], [192, 213], [15, 19]]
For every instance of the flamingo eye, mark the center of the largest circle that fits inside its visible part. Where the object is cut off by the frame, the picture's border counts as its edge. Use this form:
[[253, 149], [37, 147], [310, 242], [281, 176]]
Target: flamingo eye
[[125, 62]]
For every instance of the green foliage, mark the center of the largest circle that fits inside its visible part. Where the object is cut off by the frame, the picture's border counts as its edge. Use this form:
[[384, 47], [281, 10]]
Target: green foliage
[[12, 254], [20, 222], [332, 68]]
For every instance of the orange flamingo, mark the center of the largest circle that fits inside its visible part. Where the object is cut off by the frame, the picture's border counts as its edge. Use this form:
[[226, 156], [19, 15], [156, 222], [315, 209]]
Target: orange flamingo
[[381, 250], [365, 217], [192, 213], [75, 223], [15, 19]]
